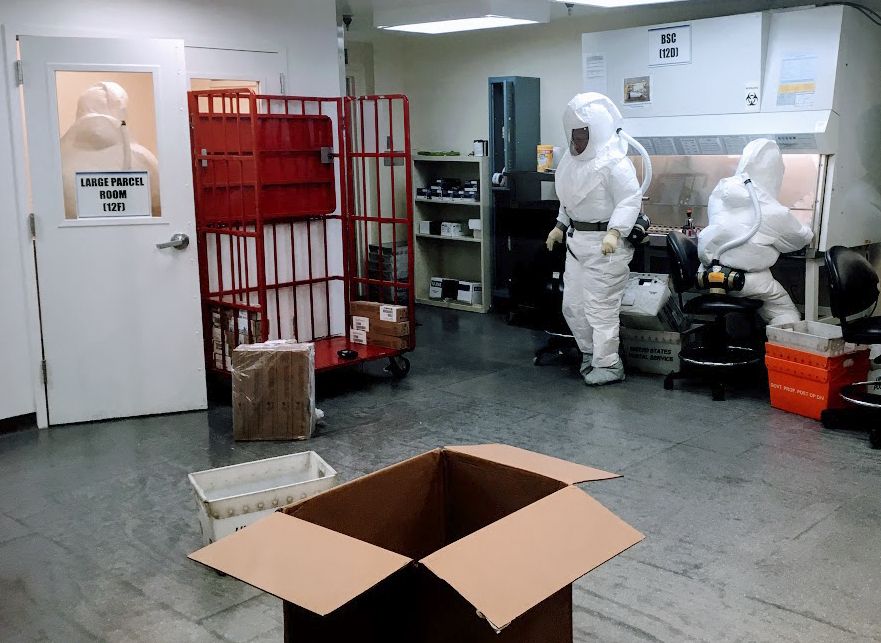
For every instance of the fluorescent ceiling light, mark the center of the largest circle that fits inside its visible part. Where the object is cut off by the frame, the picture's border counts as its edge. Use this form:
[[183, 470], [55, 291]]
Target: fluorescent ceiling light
[[610, 4], [462, 24], [446, 16]]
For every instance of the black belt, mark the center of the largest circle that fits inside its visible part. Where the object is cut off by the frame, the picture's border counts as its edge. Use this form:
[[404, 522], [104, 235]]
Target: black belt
[[583, 226]]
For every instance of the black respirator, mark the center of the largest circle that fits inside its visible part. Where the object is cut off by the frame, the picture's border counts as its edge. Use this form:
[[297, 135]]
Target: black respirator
[[721, 280], [639, 234]]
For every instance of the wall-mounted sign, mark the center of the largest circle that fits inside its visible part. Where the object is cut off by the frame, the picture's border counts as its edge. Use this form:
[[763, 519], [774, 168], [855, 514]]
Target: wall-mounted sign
[[670, 45], [113, 194]]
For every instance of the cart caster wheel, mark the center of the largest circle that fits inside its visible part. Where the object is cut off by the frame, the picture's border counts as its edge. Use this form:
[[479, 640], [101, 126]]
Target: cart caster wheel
[[536, 360], [875, 438], [718, 393], [398, 367], [668, 382]]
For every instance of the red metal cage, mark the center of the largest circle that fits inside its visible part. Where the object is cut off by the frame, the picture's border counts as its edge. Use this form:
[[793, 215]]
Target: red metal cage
[[303, 204]]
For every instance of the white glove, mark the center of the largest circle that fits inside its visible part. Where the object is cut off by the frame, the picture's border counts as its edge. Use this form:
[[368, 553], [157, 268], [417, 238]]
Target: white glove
[[610, 241], [555, 236]]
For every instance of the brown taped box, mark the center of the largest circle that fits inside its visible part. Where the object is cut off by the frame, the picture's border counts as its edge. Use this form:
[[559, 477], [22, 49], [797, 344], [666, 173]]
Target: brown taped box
[[388, 341], [273, 391], [394, 329], [499, 535], [378, 311]]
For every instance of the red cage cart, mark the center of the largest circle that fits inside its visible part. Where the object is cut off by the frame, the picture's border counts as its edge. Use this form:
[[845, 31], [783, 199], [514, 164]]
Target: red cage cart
[[303, 205]]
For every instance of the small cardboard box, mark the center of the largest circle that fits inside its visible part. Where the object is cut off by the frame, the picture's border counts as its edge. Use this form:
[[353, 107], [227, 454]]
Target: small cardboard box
[[451, 229], [273, 391], [395, 329], [376, 310], [388, 341], [471, 543], [470, 292]]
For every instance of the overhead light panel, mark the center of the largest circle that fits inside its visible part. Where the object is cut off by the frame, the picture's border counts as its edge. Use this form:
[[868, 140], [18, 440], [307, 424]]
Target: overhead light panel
[[460, 15], [612, 4]]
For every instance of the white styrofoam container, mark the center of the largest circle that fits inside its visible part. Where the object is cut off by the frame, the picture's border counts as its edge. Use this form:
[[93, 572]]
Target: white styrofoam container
[[875, 376], [812, 336], [651, 351], [231, 498]]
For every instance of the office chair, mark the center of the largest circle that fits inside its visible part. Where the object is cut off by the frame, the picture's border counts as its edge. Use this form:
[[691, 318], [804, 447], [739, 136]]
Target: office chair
[[713, 359], [853, 288]]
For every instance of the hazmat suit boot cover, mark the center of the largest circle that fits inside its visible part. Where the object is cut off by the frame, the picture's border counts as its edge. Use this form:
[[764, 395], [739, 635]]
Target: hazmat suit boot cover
[[607, 375], [96, 141], [586, 366], [730, 212]]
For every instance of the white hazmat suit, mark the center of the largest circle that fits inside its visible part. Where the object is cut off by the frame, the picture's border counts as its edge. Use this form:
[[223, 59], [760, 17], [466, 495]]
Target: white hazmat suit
[[731, 215], [596, 184], [98, 140]]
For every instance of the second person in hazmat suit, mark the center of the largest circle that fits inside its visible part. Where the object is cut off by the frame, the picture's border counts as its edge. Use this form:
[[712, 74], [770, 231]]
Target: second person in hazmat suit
[[731, 215], [99, 140], [600, 200]]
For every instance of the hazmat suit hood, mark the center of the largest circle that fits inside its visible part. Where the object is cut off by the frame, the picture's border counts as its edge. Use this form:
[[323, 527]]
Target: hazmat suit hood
[[601, 118], [763, 163], [107, 99], [731, 213], [579, 174]]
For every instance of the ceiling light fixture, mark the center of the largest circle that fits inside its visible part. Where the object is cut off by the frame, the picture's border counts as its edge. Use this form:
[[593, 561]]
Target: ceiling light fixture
[[460, 15], [614, 4]]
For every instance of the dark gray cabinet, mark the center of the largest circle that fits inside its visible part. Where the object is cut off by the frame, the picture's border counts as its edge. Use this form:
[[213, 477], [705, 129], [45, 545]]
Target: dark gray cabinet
[[514, 123]]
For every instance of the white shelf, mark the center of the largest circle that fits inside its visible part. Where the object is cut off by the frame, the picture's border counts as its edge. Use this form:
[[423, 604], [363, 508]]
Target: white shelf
[[455, 305], [422, 199], [447, 237], [450, 159], [470, 258]]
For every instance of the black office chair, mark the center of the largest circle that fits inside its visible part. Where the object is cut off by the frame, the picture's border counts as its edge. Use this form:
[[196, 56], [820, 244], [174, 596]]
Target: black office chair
[[709, 355], [853, 288], [560, 341]]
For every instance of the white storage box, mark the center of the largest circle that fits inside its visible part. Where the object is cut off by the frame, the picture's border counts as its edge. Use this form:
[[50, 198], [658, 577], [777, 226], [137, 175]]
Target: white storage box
[[651, 351], [451, 229], [470, 292], [815, 337], [648, 304], [231, 498]]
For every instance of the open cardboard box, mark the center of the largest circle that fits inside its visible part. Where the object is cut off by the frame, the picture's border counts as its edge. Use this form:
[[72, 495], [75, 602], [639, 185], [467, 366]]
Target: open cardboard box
[[466, 543]]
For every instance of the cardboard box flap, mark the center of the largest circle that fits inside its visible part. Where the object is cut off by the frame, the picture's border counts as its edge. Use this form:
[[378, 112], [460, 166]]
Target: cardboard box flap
[[545, 465], [512, 565], [310, 566]]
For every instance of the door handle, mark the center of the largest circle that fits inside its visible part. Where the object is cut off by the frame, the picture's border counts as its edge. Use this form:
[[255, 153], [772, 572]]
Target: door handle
[[178, 240]]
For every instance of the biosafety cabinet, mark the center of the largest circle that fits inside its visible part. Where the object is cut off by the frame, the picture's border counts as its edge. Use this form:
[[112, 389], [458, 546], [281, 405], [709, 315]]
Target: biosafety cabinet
[[695, 93]]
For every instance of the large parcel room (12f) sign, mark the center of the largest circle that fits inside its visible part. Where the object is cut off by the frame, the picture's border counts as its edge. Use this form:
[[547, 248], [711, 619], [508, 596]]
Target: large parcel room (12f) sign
[[113, 194]]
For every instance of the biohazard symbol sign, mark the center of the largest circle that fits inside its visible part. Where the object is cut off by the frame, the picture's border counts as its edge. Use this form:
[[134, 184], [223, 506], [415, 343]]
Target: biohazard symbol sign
[[752, 98]]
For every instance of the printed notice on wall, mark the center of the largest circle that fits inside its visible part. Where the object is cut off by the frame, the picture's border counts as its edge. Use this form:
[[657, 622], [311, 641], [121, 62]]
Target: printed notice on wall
[[594, 68], [113, 194], [798, 81]]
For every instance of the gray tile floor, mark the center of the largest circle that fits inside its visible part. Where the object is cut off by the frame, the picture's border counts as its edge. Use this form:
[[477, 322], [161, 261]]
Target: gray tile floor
[[760, 526]]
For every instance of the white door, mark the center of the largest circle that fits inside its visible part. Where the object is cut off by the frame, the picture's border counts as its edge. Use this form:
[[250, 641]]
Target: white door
[[210, 68], [121, 317]]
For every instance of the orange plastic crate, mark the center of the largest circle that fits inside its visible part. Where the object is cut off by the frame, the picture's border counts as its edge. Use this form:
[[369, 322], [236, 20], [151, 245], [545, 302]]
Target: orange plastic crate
[[803, 385]]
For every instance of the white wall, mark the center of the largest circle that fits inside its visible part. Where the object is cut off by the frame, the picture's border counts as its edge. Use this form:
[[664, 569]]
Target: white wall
[[445, 76], [305, 29]]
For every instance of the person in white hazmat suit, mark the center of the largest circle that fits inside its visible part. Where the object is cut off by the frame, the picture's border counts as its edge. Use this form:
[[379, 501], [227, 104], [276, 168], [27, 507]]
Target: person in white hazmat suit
[[600, 200], [99, 140], [731, 215]]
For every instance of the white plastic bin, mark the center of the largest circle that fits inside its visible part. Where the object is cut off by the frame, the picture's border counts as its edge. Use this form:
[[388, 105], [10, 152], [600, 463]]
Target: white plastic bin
[[231, 498], [815, 337]]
